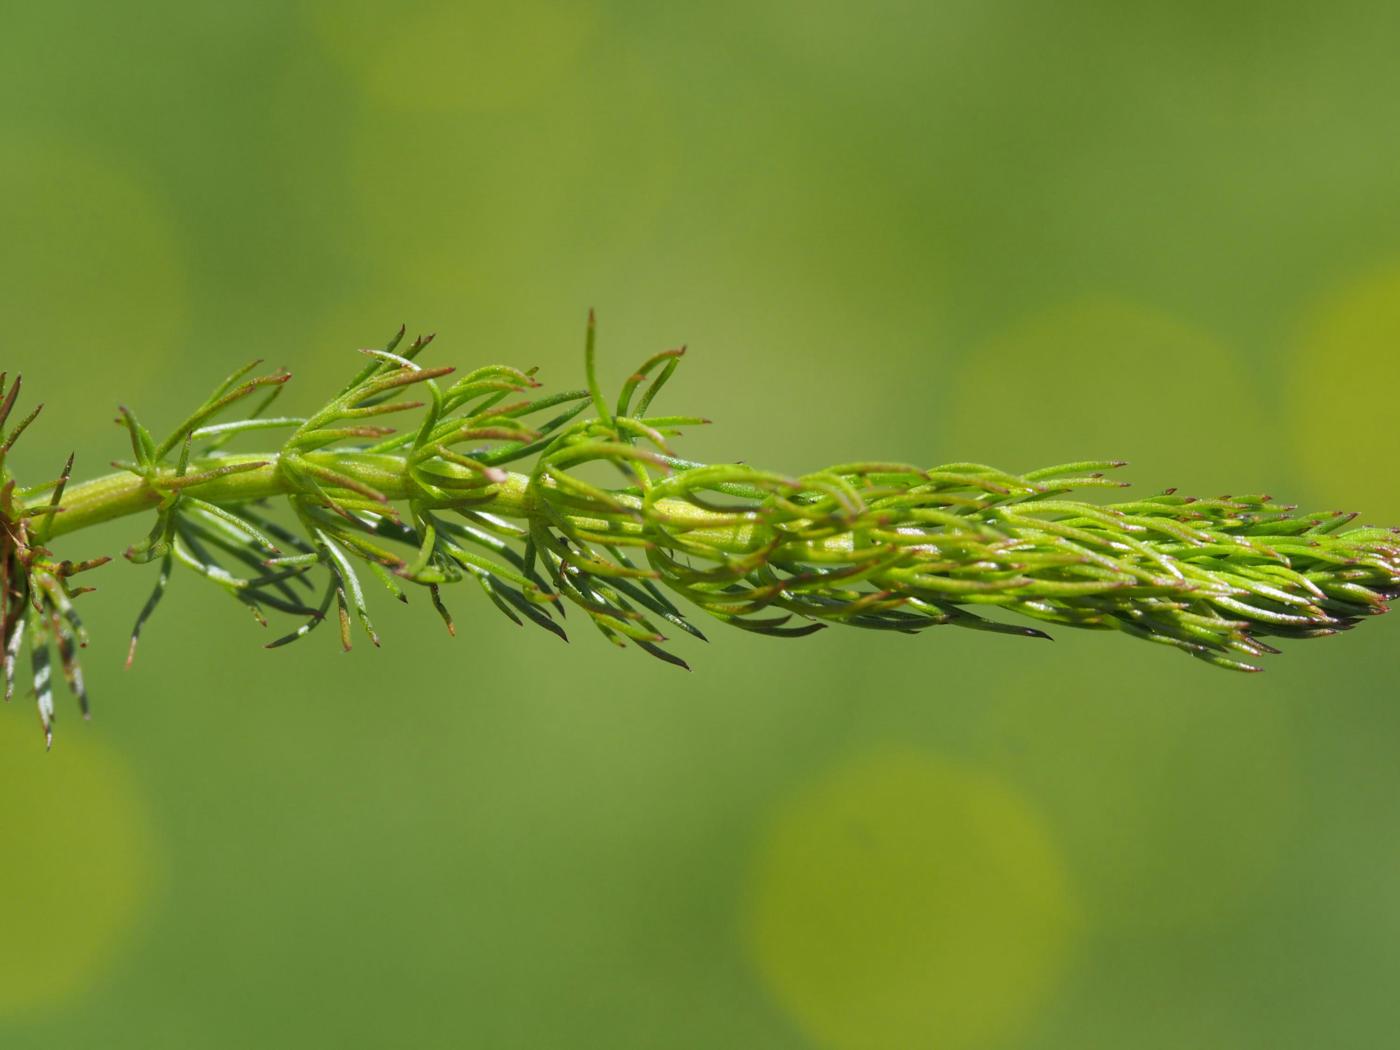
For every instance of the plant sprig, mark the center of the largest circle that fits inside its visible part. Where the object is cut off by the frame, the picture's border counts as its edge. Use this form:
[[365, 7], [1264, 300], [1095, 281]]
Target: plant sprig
[[606, 519]]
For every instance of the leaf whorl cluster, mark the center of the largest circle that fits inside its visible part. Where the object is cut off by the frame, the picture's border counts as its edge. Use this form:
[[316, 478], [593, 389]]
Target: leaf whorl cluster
[[37, 602], [883, 546]]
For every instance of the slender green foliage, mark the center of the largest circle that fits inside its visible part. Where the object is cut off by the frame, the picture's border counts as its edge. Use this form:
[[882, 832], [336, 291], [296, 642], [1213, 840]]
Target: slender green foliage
[[604, 518]]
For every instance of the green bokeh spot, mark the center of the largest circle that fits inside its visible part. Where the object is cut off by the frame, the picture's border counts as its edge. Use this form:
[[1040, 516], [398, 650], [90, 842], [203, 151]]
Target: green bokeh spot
[[907, 901], [78, 863], [1344, 378]]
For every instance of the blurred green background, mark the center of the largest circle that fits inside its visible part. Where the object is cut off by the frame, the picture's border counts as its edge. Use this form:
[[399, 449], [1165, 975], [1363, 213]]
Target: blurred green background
[[1007, 232]]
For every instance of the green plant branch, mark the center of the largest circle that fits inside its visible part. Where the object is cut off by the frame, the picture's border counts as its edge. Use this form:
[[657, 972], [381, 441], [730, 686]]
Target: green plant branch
[[882, 546], [123, 494]]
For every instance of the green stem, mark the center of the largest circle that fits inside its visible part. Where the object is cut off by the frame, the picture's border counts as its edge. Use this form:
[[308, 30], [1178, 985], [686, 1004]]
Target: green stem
[[122, 494], [114, 496]]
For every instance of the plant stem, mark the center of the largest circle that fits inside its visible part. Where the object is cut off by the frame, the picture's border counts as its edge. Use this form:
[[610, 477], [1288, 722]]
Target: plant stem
[[119, 495]]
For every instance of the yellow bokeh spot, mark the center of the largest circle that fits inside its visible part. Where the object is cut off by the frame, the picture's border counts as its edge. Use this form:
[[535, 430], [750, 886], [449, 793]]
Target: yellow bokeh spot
[[1347, 368], [77, 861], [905, 901], [1102, 378], [453, 56]]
